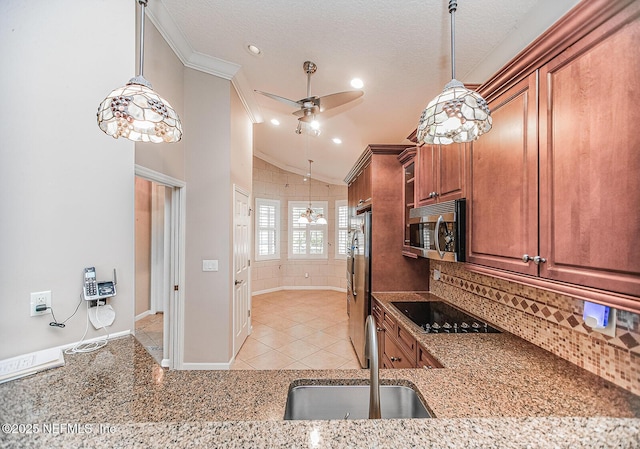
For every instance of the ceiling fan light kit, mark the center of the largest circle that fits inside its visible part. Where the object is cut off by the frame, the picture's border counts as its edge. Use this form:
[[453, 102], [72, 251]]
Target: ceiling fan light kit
[[456, 115], [135, 111], [310, 106]]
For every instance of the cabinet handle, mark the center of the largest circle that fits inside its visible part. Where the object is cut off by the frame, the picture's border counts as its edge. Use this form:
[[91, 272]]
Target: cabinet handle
[[526, 258], [433, 195], [379, 329], [538, 260], [427, 367], [396, 359]]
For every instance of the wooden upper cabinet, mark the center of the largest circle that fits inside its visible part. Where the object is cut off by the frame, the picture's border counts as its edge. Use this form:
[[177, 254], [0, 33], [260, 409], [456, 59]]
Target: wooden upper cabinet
[[408, 160], [441, 173], [561, 180], [503, 211], [590, 160], [426, 160]]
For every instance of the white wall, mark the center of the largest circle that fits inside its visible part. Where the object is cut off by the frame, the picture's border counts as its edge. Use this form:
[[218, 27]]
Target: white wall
[[67, 189]]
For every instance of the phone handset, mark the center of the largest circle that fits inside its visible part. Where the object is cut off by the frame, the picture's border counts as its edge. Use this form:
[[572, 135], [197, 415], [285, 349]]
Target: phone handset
[[90, 287]]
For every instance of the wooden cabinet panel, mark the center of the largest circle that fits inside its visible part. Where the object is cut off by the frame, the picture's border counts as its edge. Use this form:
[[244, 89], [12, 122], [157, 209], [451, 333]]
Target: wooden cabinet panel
[[426, 185], [503, 211], [396, 356], [426, 360], [452, 171], [405, 340], [590, 162], [379, 170]]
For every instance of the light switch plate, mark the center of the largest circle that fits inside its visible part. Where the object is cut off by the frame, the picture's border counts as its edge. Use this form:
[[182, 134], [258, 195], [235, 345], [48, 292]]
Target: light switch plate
[[209, 265]]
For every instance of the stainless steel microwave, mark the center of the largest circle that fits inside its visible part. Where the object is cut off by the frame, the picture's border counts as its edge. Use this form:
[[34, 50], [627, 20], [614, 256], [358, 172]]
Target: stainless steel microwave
[[438, 231]]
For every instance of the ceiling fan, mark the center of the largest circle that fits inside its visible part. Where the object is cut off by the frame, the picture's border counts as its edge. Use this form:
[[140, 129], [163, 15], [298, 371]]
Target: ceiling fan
[[310, 106]]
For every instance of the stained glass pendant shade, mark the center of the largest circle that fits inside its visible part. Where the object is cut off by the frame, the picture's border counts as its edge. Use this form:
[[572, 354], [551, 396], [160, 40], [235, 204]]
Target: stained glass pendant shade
[[135, 111], [457, 114]]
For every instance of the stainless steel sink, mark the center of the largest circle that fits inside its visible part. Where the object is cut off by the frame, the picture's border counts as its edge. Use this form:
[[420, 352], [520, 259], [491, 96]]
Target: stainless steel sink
[[352, 402]]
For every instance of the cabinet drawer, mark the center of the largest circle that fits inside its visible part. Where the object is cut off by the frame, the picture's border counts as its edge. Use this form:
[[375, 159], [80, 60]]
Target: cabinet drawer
[[376, 311], [389, 323], [405, 340], [395, 355], [426, 360]]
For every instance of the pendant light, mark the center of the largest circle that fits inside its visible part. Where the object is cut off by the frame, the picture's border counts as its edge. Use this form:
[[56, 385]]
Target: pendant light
[[135, 111], [310, 216], [457, 114]]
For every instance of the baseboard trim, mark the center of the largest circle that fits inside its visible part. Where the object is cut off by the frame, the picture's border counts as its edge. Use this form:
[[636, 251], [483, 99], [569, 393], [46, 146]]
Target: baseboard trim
[[299, 287], [144, 314], [206, 366]]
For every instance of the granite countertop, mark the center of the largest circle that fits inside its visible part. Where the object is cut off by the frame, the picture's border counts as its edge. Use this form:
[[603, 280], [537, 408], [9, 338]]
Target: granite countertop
[[495, 391]]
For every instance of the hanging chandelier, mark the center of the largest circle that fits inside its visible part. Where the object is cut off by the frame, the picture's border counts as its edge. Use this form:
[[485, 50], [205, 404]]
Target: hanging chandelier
[[310, 216], [135, 111], [457, 114]]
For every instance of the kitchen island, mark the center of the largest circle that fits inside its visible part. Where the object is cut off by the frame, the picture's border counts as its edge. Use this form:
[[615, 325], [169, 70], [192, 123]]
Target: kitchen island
[[495, 390]]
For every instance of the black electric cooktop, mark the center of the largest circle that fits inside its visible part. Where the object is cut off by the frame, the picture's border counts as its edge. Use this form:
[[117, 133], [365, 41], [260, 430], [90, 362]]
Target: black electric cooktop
[[437, 317]]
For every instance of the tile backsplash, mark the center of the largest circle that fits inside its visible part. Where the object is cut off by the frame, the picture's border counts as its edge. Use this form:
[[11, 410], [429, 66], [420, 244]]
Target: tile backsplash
[[550, 320]]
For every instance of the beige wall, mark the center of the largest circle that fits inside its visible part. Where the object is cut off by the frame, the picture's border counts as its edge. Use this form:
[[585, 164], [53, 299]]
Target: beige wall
[[165, 72], [549, 320], [143, 245], [271, 182], [68, 189]]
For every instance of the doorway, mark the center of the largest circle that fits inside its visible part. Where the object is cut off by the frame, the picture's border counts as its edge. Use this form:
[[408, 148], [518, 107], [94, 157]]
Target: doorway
[[241, 245], [159, 260]]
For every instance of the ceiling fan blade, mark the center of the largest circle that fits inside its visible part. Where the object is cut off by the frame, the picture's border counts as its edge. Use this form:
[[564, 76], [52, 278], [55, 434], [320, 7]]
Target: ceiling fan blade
[[335, 100], [291, 103]]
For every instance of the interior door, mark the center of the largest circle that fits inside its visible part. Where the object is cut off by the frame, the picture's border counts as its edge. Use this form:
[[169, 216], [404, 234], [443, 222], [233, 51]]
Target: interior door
[[241, 298]]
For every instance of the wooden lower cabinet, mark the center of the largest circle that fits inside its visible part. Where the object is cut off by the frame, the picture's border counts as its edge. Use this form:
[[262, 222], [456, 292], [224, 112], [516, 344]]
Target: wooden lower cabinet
[[426, 360], [394, 357], [396, 347]]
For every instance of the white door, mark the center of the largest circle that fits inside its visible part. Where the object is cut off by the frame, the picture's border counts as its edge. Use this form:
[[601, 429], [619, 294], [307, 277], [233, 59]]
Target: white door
[[241, 297]]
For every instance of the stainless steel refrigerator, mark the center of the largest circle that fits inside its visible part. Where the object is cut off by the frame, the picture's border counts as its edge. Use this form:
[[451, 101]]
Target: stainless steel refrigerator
[[359, 282]]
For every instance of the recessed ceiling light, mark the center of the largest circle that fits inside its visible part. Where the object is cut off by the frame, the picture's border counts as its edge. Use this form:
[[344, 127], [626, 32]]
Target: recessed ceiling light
[[275, 122], [337, 140], [253, 49], [357, 83]]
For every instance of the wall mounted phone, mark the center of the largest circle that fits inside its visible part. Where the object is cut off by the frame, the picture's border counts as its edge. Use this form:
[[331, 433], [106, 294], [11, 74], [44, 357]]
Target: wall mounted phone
[[93, 290]]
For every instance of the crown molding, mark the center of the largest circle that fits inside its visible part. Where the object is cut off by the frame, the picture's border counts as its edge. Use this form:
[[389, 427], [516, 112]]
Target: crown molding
[[175, 38]]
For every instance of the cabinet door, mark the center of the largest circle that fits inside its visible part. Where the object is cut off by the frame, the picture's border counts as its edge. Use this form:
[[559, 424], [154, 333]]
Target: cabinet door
[[426, 186], [452, 171], [590, 161], [395, 355], [503, 211], [426, 360]]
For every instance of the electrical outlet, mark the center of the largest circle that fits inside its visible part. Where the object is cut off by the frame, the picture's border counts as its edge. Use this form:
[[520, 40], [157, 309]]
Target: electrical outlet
[[40, 299]]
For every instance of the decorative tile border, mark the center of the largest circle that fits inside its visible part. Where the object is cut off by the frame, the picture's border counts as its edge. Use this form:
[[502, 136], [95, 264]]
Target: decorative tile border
[[546, 319]]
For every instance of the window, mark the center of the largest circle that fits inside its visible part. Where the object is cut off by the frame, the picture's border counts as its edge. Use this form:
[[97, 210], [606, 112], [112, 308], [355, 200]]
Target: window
[[267, 229], [307, 241], [342, 229]]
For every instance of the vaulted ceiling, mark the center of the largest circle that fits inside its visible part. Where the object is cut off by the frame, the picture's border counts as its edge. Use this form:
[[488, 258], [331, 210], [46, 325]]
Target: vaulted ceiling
[[400, 50]]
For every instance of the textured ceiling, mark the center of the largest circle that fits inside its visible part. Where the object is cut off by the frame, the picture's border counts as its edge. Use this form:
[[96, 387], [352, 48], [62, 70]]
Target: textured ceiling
[[400, 49]]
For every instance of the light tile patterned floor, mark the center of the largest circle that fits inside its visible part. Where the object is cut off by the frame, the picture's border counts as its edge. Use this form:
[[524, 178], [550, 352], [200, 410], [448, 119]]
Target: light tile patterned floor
[[298, 329], [149, 333]]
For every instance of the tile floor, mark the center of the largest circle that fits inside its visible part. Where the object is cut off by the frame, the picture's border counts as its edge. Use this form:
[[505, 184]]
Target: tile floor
[[298, 329], [292, 329], [149, 334]]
